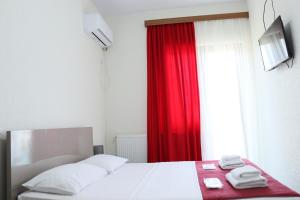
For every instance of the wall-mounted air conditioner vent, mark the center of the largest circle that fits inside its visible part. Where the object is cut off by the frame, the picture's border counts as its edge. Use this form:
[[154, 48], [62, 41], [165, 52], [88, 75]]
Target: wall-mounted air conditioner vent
[[95, 25]]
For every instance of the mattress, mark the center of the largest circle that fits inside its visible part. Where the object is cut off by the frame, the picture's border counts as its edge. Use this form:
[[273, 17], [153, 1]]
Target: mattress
[[140, 181]]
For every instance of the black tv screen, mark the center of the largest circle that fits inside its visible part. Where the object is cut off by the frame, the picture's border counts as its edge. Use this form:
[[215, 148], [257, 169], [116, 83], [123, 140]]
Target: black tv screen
[[273, 46]]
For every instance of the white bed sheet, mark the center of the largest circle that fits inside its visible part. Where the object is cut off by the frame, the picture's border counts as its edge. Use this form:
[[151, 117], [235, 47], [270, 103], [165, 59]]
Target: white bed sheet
[[140, 181]]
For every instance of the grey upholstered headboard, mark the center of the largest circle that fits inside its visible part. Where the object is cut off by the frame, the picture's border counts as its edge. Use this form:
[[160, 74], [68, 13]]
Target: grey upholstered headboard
[[30, 152]]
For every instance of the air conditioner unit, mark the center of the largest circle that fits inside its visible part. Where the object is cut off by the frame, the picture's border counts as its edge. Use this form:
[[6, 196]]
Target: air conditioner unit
[[95, 25]]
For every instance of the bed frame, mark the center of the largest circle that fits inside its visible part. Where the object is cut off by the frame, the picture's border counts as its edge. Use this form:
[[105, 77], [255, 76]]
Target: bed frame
[[30, 152]]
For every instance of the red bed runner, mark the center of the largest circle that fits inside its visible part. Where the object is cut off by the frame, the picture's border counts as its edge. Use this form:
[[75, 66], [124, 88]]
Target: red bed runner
[[274, 189]]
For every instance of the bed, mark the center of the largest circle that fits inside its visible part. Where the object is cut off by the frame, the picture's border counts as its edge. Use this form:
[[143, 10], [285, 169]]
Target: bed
[[155, 181]]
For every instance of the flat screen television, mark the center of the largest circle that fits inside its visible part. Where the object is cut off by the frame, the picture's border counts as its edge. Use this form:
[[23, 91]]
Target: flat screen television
[[274, 46]]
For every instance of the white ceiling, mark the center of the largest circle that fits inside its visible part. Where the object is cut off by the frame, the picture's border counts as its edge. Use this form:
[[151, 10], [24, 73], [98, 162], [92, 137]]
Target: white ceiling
[[119, 7]]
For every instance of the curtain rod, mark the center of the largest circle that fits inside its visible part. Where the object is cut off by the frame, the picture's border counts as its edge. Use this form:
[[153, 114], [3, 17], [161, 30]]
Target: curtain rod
[[196, 18]]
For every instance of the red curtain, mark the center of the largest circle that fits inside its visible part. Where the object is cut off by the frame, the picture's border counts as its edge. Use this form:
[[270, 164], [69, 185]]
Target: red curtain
[[173, 110]]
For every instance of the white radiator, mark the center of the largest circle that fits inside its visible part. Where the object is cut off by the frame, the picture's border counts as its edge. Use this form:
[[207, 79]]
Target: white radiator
[[133, 147]]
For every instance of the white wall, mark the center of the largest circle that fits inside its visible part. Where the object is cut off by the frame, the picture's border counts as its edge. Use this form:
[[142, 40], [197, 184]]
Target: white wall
[[278, 98], [126, 65], [51, 72]]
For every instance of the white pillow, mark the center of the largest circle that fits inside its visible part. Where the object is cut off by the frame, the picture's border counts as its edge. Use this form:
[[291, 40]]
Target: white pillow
[[108, 162], [66, 179]]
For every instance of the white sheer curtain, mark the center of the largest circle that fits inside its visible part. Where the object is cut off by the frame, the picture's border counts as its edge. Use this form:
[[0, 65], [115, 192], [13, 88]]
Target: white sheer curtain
[[223, 54]]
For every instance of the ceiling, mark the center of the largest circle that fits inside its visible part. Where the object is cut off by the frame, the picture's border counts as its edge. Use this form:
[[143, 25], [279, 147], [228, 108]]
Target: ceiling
[[119, 7]]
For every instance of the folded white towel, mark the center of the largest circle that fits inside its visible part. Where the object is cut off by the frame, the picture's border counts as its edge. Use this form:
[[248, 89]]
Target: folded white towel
[[231, 164], [230, 157], [245, 172], [245, 183]]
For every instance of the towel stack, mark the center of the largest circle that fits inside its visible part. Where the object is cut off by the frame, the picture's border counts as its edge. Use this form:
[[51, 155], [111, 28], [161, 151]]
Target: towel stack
[[246, 177], [231, 162]]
